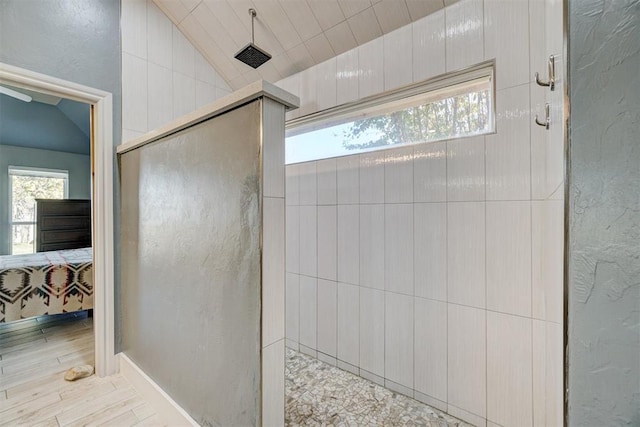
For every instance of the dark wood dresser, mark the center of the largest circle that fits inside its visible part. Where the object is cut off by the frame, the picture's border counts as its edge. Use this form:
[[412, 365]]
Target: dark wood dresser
[[62, 224]]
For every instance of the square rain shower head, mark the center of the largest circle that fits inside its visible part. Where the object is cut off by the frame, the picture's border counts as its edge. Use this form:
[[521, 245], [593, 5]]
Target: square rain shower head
[[252, 55]]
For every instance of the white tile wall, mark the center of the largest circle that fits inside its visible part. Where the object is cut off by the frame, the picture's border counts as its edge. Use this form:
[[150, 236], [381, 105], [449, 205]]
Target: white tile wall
[[398, 175], [428, 46], [398, 245], [163, 75], [430, 172], [326, 180], [509, 150], [466, 253], [327, 245], [466, 360], [431, 348], [398, 341], [509, 257], [430, 250], [464, 27], [349, 323], [372, 246], [308, 311], [509, 370], [465, 169], [372, 323], [348, 244], [398, 58], [327, 316], [449, 254], [512, 52]]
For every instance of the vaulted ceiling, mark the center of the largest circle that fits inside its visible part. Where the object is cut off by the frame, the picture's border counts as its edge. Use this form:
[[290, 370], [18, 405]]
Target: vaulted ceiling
[[46, 123], [297, 33]]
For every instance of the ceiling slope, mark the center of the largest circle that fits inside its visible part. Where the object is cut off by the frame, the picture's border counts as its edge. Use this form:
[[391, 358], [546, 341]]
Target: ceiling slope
[[297, 33]]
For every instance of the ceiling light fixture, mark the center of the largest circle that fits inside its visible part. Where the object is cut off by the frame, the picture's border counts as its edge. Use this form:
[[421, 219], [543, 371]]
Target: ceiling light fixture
[[251, 54], [15, 94]]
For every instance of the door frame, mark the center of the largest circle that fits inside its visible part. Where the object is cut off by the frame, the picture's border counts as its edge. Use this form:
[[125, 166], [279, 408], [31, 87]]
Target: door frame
[[102, 152]]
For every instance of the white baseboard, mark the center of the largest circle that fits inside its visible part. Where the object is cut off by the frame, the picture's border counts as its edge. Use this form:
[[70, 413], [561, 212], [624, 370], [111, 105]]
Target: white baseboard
[[167, 409]]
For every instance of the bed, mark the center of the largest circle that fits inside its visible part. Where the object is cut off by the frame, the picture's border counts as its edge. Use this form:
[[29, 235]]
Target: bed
[[45, 283]]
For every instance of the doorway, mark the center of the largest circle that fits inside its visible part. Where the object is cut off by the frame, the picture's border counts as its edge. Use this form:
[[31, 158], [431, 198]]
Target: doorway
[[102, 195]]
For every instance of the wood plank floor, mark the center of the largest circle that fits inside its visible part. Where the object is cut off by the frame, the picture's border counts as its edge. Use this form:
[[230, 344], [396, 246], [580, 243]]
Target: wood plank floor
[[35, 354]]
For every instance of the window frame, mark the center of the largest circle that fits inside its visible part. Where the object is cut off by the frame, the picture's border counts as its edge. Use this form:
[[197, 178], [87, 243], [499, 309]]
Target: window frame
[[354, 110], [35, 172]]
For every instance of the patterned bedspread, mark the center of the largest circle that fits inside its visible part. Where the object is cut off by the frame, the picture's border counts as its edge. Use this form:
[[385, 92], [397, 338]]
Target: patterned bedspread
[[45, 283]]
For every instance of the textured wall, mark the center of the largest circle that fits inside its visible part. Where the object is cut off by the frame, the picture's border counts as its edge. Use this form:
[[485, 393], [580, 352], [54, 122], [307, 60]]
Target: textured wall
[[75, 40], [78, 165], [604, 217]]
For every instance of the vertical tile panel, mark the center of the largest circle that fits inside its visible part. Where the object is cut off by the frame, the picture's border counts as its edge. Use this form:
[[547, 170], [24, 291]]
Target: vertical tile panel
[[349, 323], [308, 310], [326, 178], [327, 84], [466, 253], [465, 34], [159, 37], [509, 365], [159, 95], [348, 244], [372, 246], [428, 46], [308, 241], [430, 250], [347, 77], [398, 175], [398, 248], [327, 316], [508, 151], [273, 149], [430, 172], [466, 359], [308, 183], [133, 25], [273, 359], [292, 195], [184, 58], [506, 38], [205, 94], [398, 58], [398, 340], [348, 177], [292, 315], [327, 245], [370, 60], [184, 95], [465, 169], [547, 259], [134, 93], [273, 271], [372, 177], [308, 91], [372, 331], [554, 375], [539, 354], [431, 348], [509, 257]]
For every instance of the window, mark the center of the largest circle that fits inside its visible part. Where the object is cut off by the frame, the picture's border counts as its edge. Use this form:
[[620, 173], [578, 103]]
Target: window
[[26, 185], [453, 106]]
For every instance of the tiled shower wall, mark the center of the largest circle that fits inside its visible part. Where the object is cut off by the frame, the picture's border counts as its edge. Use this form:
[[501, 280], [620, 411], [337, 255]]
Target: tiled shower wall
[[437, 269], [163, 75]]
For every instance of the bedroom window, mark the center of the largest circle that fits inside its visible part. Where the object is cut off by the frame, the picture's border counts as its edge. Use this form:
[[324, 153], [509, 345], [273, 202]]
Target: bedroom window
[[27, 185], [454, 105]]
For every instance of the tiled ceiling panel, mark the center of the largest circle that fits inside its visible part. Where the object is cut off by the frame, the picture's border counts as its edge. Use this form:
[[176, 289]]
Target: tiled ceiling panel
[[297, 33]]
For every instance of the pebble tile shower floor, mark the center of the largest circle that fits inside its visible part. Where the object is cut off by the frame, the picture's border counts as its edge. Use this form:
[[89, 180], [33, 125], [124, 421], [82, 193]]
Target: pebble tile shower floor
[[318, 394]]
